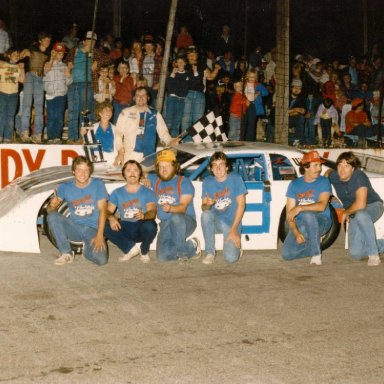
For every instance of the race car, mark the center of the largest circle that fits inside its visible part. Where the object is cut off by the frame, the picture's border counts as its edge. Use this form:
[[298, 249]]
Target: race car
[[265, 168]]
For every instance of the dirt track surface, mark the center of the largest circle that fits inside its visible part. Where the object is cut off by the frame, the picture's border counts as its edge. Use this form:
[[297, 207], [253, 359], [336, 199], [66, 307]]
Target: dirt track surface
[[260, 321]]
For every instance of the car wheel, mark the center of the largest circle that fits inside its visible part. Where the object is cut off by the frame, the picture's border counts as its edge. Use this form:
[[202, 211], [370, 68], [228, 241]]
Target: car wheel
[[326, 241], [76, 246]]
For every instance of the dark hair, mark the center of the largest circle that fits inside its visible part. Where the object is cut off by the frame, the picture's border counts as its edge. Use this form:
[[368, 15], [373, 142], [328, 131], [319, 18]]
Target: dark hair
[[350, 159], [138, 165], [42, 35], [82, 160], [303, 167], [146, 89], [220, 156]]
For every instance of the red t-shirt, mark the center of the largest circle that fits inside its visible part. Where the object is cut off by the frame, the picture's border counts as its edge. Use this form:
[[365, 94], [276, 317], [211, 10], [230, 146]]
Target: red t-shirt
[[354, 118], [238, 105], [123, 94]]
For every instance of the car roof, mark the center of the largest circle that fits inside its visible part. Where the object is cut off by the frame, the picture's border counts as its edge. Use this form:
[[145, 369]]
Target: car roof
[[236, 147]]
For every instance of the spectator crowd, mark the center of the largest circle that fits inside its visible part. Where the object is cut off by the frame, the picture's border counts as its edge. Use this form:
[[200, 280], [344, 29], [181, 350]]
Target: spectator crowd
[[55, 84]]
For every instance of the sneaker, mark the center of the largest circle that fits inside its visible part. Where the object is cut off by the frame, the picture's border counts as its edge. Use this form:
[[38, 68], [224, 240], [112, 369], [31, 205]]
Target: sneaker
[[134, 251], [196, 243], [316, 260], [209, 259], [241, 253], [36, 139], [75, 142], [373, 261], [145, 259], [57, 141], [24, 137], [65, 258]]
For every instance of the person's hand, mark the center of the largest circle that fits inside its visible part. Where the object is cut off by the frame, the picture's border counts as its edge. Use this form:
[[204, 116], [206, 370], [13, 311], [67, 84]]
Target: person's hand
[[166, 207], [98, 243], [235, 237], [119, 159], [174, 141], [20, 65], [114, 223], [300, 239], [344, 218], [209, 201], [55, 201], [146, 182], [94, 66], [139, 215], [70, 65]]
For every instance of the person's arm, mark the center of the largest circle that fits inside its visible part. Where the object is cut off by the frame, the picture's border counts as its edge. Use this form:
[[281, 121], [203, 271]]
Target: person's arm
[[319, 206], [185, 200], [163, 132], [234, 235], [360, 203], [149, 214], [98, 241], [291, 204], [119, 136], [54, 203], [22, 73], [113, 222]]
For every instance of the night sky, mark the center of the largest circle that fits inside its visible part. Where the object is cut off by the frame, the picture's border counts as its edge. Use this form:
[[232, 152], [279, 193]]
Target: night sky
[[325, 28]]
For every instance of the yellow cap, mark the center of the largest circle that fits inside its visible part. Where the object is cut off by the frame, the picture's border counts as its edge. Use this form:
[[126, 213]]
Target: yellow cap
[[166, 155]]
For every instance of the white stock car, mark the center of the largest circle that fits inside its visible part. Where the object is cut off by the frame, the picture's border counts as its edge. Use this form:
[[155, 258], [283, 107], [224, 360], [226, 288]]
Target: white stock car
[[266, 169]]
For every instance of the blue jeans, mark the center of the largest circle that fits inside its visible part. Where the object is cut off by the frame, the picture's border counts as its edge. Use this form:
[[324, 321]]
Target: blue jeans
[[64, 231], [8, 106], [312, 225], [33, 94], [117, 108], [310, 131], [361, 232], [211, 224], [55, 117], [296, 123], [76, 104], [250, 124], [171, 240], [234, 127], [174, 114], [143, 231], [194, 108]]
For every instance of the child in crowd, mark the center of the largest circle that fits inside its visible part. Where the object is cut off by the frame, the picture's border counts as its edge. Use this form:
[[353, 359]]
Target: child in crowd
[[312, 103], [105, 86], [224, 91], [177, 89], [239, 104], [125, 84], [57, 78], [103, 131], [254, 92], [327, 121], [11, 74]]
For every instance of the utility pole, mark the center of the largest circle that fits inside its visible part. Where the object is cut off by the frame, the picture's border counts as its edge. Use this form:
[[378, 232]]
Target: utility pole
[[282, 71], [167, 50]]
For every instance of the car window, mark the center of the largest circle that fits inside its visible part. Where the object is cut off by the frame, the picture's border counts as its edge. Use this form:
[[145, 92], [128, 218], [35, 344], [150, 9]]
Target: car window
[[282, 167]]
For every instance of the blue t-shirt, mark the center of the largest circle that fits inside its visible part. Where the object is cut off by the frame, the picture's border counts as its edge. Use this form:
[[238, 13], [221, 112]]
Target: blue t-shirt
[[308, 193], [82, 202], [105, 138], [346, 190], [225, 193], [168, 192], [128, 204]]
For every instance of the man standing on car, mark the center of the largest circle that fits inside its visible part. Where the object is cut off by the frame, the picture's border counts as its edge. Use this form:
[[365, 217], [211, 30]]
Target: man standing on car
[[308, 213], [174, 194], [87, 202], [363, 207], [223, 208]]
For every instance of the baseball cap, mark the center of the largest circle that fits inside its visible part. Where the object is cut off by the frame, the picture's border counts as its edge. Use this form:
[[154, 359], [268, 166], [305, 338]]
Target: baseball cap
[[296, 83], [59, 47], [356, 102], [311, 157], [89, 35], [166, 155]]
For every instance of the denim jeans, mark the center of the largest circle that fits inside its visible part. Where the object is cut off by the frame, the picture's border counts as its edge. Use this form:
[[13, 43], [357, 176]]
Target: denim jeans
[[174, 114], [296, 123], [143, 231], [76, 104], [361, 232], [234, 127], [64, 231], [55, 117], [250, 124], [171, 240], [312, 225], [310, 131], [117, 108], [33, 94], [8, 106], [194, 108], [211, 224]]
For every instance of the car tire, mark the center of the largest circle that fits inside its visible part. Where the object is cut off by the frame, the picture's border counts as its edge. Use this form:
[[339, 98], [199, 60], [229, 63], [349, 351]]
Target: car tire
[[326, 241], [77, 247]]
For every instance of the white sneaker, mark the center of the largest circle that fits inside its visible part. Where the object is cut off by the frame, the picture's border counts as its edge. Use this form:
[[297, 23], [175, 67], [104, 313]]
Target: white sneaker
[[65, 258], [316, 260], [374, 261], [196, 242], [209, 259], [134, 251], [145, 259]]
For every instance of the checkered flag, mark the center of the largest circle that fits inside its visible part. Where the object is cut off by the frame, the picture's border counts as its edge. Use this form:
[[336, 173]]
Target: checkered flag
[[209, 128]]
